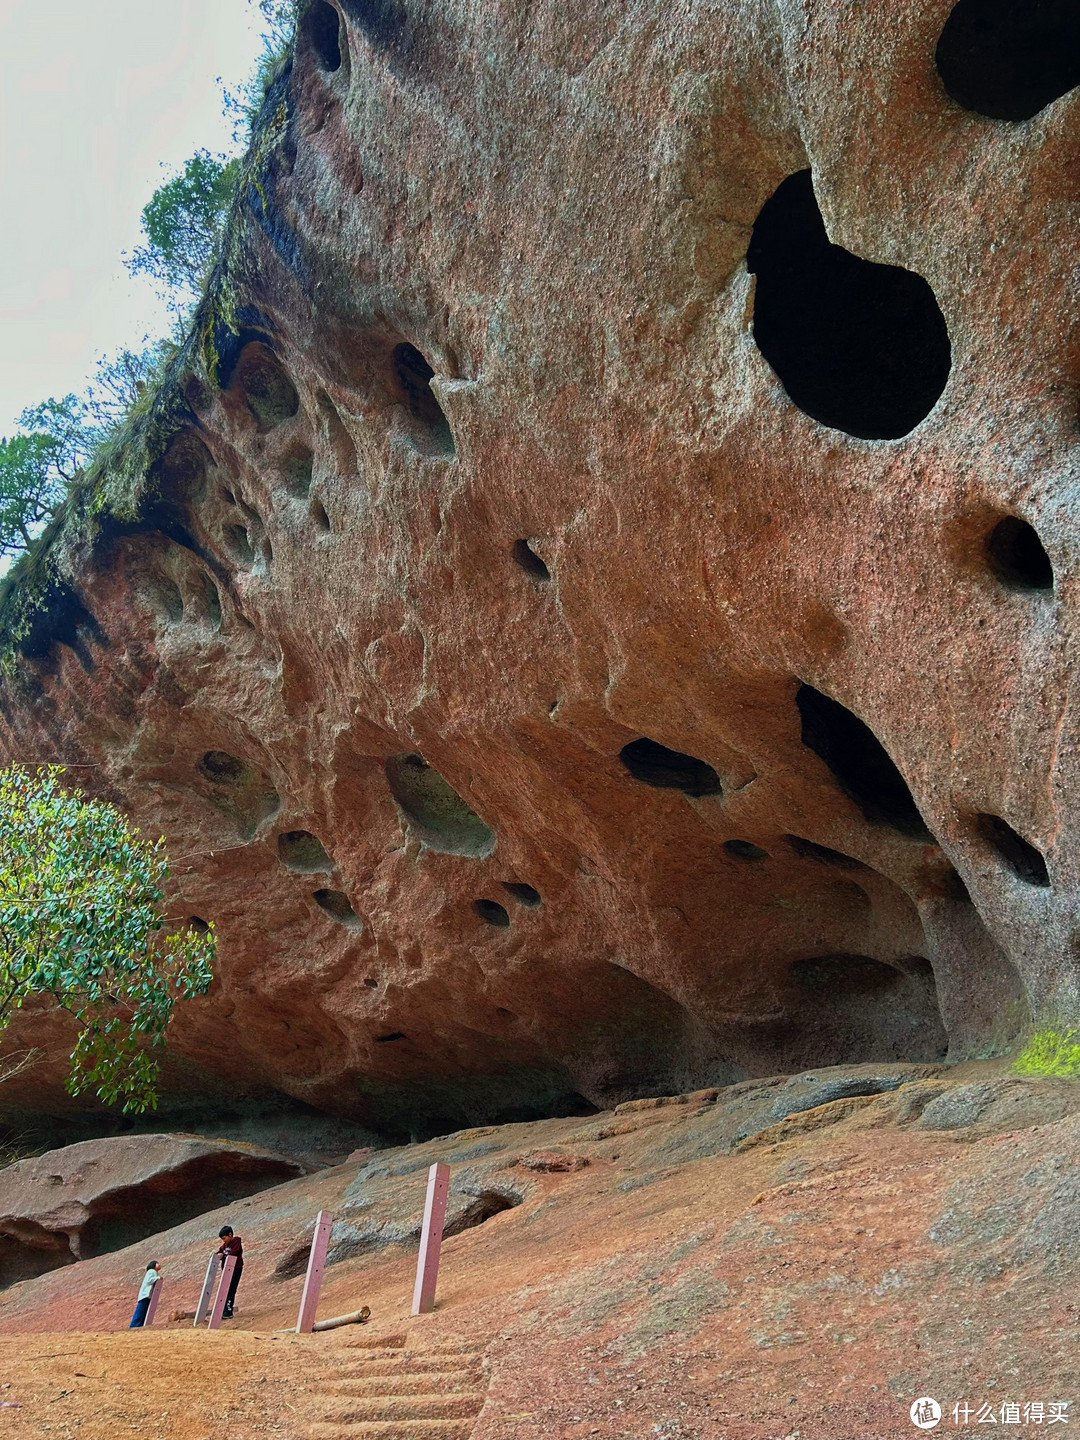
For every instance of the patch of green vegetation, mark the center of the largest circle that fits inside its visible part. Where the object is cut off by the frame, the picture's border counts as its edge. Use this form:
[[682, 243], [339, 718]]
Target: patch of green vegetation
[[1048, 1051], [120, 484]]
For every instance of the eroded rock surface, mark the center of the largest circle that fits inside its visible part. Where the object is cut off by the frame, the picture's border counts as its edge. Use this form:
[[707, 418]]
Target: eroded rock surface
[[600, 615], [101, 1195]]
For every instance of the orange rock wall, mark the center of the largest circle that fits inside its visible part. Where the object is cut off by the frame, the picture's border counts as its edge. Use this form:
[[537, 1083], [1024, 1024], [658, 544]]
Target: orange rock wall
[[493, 472]]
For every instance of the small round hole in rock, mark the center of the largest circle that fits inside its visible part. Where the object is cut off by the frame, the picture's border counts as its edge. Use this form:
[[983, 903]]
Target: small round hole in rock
[[336, 904], [1019, 854], [529, 561], [1007, 59], [394, 1035], [654, 764], [858, 346], [414, 377], [222, 768], [322, 26], [492, 912], [371, 982], [198, 924], [1017, 555], [526, 894], [301, 851], [320, 517], [745, 850]]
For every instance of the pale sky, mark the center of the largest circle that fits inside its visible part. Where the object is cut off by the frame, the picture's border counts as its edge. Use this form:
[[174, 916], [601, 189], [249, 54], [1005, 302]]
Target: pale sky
[[94, 96]]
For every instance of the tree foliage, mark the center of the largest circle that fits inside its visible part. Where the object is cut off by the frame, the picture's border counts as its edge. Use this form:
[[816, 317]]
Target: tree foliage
[[182, 222], [82, 921], [37, 465]]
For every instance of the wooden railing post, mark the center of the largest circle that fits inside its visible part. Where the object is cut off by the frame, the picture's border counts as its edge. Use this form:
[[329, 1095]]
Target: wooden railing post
[[427, 1265], [309, 1300], [203, 1307], [214, 1323]]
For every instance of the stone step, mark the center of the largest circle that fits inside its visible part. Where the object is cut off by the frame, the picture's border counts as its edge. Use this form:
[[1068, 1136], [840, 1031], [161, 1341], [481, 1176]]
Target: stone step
[[448, 1382], [404, 1363], [390, 1430], [376, 1342], [406, 1407]]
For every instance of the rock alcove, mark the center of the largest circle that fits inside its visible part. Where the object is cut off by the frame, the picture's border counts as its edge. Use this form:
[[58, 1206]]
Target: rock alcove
[[687, 564]]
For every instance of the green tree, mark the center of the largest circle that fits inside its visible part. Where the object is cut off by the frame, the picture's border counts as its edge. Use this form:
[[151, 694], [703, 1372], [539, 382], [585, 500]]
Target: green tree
[[82, 921], [37, 467], [121, 380], [182, 222]]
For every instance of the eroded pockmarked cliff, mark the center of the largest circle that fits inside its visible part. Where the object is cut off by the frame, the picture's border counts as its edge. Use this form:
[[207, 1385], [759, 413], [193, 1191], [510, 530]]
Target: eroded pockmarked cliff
[[592, 609]]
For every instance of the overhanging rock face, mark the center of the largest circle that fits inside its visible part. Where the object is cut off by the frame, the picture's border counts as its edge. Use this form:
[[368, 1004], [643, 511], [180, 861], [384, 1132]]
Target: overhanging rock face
[[598, 618]]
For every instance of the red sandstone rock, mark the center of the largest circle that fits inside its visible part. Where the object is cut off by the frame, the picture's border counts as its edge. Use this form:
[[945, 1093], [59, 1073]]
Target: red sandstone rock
[[102, 1194], [501, 487], [553, 1161]]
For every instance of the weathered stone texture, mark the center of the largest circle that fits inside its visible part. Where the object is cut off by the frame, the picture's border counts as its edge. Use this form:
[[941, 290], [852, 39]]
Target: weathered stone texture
[[102, 1195], [496, 475]]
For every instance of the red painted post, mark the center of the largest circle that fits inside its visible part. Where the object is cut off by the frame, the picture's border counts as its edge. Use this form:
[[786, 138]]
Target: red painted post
[[427, 1265], [313, 1280], [155, 1296], [214, 1323], [203, 1307]]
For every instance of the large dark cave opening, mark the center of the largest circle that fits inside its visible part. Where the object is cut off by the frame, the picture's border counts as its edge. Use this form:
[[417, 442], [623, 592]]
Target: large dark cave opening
[[1007, 59], [858, 346]]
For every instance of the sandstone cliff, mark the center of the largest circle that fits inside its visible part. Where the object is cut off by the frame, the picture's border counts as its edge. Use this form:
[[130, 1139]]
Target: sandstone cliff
[[591, 610]]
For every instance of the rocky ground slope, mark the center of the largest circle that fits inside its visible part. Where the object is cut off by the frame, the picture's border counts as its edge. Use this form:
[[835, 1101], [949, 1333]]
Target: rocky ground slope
[[802, 1257], [592, 610]]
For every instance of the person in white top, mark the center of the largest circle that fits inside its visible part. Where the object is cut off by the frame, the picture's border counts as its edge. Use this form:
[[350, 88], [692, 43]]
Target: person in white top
[[146, 1289]]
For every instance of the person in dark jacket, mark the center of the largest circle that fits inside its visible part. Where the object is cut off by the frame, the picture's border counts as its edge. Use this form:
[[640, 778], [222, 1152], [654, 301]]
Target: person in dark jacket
[[231, 1245]]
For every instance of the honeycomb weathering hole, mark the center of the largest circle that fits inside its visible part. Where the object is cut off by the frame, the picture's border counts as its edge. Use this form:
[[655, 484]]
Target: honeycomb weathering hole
[[222, 768], [335, 903], [492, 912], [322, 26], [481, 1207], [530, 561], [296, 470], [270, 394], [524, 894], [654, 764], [811, 850], [858, 346], [1007, 59], [301, 851], [1019, 854], [859, 761], [1017, 555], [440, 817], [414, 376]]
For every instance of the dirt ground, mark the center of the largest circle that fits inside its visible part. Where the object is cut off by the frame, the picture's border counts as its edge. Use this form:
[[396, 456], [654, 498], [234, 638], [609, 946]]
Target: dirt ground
[[810, 1285]]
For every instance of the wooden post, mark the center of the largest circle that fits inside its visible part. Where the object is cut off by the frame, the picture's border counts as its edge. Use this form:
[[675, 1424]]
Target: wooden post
[[214, 1323], [427, 1264], [203, 1307], [155, 1296], [313, 1280]]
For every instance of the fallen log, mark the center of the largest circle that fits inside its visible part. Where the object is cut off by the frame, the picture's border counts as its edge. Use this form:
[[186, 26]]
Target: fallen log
[[355, 1317]]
